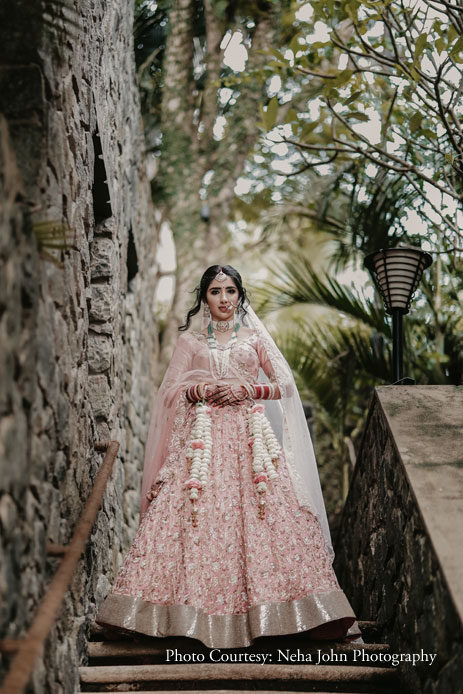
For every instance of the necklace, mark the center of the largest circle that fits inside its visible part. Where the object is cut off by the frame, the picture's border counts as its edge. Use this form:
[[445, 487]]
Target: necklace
[[221, 364], [222, 326]]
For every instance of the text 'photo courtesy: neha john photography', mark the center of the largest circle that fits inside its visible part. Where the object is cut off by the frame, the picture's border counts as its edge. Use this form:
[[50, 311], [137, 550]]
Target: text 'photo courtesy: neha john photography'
[[287, 656]]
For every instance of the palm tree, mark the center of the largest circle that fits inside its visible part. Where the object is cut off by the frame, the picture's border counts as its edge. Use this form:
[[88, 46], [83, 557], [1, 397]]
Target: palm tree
[[338, 360]]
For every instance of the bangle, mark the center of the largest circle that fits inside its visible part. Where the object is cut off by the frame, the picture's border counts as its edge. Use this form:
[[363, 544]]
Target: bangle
[[260, 391], [249, 390]]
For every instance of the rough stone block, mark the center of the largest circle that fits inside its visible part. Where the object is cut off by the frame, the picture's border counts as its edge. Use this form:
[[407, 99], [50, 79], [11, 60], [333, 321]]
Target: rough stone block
[[100, 396], [8, 514], [21, 91], [101, 308], [103, 258], [46, 465], [13, 452], [100, 349], [106, 226], [404, 584]]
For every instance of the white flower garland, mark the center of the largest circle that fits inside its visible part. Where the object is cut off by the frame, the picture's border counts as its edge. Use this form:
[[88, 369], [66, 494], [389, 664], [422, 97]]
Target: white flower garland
[[199, 456], [265, 452], [264, 445]]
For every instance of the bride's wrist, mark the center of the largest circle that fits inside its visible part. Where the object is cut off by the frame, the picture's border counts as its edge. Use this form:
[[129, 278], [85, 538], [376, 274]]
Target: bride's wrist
[[239, 393], [263, 391], [196, 392]]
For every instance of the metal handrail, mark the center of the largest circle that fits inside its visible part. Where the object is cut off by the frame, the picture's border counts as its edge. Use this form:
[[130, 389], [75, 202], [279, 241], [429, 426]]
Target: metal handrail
[[30, 646]]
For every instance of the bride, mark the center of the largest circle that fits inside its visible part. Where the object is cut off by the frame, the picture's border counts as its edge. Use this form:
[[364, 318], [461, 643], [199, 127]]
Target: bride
[[233, 541]]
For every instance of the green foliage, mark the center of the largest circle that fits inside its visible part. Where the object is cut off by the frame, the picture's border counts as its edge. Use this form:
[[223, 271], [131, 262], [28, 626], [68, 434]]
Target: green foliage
[[52, 238], [337, 361], [375, 214], [338, 366], [387, 84], [269, 115], [149, 38], [299, 283]]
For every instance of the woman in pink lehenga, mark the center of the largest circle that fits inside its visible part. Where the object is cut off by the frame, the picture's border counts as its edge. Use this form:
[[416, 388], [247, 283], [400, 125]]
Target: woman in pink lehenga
[[233, 541]]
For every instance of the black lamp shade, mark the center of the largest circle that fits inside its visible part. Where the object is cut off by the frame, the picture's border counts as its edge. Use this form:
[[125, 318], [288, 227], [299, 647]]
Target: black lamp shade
[[397, 272]]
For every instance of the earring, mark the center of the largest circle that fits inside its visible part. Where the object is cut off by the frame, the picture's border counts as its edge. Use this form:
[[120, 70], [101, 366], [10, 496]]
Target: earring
[[206, 316]]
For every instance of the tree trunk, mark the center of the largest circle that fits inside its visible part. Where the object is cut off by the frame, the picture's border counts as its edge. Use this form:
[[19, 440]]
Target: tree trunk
[[189, 150]]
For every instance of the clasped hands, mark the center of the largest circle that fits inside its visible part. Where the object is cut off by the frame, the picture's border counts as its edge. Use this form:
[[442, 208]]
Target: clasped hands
[[225, 393], [217, 393], [220, 393], [231, 394]]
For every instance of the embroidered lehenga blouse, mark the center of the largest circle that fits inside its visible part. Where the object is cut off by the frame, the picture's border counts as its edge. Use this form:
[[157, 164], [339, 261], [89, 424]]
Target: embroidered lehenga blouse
[[234, 576]]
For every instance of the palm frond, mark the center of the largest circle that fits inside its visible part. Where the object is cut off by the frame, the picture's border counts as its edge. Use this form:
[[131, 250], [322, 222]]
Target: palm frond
[[337, 366], [331, 347], [298, 283], [52, 236], [373, 212]]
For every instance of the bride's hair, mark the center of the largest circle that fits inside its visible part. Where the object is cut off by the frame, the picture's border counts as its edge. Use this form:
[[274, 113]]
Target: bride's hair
[[201, 290]]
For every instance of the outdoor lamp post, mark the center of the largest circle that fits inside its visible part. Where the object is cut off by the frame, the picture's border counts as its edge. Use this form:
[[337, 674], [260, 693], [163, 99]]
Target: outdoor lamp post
[[397, 273]]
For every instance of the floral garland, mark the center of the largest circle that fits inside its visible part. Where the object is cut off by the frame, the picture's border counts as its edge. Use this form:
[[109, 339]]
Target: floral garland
[[199, 456], [262, 441], [265, 452]]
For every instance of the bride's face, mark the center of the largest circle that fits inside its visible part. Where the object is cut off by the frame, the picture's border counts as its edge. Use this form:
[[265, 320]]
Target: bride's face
[[222, 298]]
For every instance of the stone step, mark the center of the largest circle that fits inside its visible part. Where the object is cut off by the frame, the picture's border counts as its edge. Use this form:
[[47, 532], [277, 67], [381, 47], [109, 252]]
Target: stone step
[[227, 691], [370, 633], [98, 632], [158, 648], [340, 678]]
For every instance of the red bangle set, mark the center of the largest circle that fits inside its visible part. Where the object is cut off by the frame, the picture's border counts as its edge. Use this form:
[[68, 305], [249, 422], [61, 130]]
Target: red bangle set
[[196, 393], [261, 391], [256, 391]]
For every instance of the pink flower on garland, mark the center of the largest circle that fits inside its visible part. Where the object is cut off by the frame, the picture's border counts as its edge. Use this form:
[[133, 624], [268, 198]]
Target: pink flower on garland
[[197, 443], [261, 477], [251, 441], [258, 408]]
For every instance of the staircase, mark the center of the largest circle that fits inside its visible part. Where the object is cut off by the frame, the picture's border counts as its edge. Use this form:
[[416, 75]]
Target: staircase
[[141, 665]]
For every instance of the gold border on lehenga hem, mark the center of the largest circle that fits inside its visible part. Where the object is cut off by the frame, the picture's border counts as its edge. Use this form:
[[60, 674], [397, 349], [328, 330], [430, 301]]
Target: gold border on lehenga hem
[[229, 630]]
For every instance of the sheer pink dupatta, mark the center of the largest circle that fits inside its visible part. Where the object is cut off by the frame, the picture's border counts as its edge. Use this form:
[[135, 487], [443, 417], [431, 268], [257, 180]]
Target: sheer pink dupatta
[[170, 401], [286, 415]]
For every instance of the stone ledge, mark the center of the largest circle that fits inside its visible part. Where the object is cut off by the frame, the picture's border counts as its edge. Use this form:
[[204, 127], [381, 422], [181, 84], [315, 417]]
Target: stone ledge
[[426, 424], [397, 550]]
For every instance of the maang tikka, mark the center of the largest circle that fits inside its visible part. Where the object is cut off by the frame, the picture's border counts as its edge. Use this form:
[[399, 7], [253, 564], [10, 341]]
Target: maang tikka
[[221, 276]]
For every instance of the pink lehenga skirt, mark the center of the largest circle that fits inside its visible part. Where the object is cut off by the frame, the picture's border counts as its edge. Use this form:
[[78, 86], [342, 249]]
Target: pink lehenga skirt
[[234, 577]]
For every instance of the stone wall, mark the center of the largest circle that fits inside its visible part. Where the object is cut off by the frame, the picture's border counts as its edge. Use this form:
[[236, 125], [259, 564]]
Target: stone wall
[[78, 339], [398, 553]]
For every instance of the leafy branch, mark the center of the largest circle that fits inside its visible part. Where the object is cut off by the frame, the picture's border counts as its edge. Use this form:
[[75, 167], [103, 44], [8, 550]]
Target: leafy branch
[[401, 65]]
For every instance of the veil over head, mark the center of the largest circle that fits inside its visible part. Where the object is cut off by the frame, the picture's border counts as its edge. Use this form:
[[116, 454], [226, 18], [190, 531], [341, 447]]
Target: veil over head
[[286, 416]]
